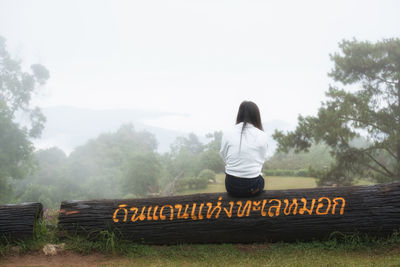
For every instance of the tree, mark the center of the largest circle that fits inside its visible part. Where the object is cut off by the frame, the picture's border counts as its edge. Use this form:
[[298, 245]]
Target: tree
[[210, 157], [100, 165], [16, 89], [215, 142], [191, 144], [184, 156], [317, 157], [370, 108], [48, 184], [143, 174]]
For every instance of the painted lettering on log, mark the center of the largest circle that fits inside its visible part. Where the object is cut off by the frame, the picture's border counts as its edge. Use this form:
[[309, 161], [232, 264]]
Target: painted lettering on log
[[242, 208]]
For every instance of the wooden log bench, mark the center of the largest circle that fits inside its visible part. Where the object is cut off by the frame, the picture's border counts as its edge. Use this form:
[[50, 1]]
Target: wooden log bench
[[274, 215], [17, 221]]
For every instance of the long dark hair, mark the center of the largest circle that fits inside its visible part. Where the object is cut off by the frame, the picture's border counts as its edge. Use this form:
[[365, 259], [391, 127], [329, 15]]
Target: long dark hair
[[248, 113]]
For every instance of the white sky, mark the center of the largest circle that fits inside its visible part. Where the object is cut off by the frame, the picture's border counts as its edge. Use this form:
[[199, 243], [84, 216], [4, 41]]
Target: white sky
[[200, 58]]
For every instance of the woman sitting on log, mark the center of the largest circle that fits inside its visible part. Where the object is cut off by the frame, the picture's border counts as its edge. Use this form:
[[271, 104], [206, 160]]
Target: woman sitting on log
[[243, 150]]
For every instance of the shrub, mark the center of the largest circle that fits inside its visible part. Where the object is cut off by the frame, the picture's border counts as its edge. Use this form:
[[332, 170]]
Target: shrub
[[207, 174], [279, 172], [192, 183]]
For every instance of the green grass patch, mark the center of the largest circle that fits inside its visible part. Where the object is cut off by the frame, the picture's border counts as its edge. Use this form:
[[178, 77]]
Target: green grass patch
[[218, 186], [353, 250], [272, 183], [339, 250], [363, 182], [288, 182]]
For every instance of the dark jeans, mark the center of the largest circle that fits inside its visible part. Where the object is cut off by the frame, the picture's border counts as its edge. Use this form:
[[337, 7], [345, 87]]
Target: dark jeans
[[244, 187]]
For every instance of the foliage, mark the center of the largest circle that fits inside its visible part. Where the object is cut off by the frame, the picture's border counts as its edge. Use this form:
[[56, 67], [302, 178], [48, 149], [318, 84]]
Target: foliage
[[186, 183], [122, 164], [370, 107], [207, 174], [142, 175], [100, 165], [93, 170], [16, 89], [318, 157], [215, 140], [39, 193], [184, 155], [199, 182], [210, 159], [188, 157], [49, 184]]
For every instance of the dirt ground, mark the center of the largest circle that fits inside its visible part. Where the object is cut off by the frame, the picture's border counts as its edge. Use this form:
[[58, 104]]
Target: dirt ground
[[65, 258]]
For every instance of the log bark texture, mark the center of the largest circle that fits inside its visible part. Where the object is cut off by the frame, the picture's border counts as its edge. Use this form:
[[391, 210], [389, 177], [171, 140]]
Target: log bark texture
[[17, 221], [275, 215]]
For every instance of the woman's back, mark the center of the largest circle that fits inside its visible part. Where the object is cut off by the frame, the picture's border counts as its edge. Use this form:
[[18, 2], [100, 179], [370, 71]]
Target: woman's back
[[244, 152]]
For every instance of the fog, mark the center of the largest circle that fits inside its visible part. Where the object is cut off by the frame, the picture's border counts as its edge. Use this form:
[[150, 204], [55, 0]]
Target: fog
[[179, 67], [200, 59]]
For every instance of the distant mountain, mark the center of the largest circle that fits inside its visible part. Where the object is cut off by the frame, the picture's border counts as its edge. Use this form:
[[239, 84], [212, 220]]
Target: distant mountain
[[69, 127]]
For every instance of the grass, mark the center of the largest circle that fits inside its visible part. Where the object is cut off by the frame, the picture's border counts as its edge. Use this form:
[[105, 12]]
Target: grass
[[218, 186], [286, 182], [272, 183], [340, 250], [261, 255], [42, 235], [363, 182]]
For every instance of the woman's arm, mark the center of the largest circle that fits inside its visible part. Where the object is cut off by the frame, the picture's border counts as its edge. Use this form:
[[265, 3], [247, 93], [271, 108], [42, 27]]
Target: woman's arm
[[264, 147], [224, 148]]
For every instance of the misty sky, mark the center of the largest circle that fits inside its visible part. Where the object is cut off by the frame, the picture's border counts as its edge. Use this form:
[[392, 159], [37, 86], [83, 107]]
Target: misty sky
[[199, 59]]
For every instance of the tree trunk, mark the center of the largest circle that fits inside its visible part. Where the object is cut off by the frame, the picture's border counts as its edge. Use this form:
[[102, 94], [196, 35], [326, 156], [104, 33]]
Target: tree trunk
[[276, 215], [17, 221]]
